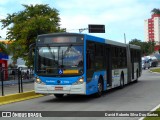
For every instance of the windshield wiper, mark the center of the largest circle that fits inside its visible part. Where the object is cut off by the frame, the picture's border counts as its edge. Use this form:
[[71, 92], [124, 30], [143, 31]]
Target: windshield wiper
[[62, 59], [52, 54], [68, 49]]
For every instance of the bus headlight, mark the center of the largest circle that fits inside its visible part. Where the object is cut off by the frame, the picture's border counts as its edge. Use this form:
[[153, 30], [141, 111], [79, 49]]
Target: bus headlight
[[38, 80], [79, 81]]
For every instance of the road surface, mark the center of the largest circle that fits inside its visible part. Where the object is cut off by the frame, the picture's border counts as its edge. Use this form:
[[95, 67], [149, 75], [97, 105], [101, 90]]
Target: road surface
[[141, 96]]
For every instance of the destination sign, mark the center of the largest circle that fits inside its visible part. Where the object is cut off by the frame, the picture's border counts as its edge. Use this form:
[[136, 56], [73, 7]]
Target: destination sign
[[59, 39]]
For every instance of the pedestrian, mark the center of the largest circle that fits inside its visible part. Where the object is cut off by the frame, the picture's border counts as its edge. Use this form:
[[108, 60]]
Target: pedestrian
[[27, 74], [13, 73]]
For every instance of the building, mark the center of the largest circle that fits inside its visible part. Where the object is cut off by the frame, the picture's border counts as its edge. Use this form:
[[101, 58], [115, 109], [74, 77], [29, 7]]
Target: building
[[152, 30], [8, 58], [4, 61]]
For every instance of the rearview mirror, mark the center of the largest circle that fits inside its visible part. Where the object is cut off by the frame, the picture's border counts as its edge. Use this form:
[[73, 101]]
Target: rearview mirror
[[31, 48]]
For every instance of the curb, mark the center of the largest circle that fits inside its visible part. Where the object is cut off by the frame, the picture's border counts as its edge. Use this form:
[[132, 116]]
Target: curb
[[154, 109], [153, 72], [18, 97]]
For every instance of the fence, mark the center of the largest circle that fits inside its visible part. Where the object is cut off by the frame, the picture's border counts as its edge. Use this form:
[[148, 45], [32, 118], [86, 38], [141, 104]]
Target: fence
[[16, 78]]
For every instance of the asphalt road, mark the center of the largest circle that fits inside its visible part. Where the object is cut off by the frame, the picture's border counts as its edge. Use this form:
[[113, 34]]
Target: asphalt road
[[141, 96]]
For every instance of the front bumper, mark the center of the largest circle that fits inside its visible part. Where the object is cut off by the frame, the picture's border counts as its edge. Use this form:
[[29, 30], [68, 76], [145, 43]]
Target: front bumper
[[67, 89]]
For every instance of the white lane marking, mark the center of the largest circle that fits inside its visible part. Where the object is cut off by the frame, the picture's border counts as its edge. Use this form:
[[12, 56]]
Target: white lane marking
[[155, 108]]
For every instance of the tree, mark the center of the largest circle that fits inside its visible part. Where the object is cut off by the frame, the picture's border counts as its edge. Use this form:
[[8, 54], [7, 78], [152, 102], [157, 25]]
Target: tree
[[3, 48], [135, 42], [24, 26], [146, 47], [155, 11]]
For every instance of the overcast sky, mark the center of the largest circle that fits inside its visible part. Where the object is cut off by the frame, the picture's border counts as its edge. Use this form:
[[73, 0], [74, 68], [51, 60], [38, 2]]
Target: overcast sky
[[118, 16]]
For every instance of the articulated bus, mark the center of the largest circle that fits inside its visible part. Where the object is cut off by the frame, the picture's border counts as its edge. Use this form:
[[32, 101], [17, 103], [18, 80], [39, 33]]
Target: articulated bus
[[81, 64]]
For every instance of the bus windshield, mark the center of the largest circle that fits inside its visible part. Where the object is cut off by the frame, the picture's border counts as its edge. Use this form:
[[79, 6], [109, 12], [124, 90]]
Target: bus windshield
[[61, 60]]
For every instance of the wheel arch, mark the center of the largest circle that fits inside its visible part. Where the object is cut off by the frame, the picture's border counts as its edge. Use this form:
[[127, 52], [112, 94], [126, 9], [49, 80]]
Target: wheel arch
[[102, 80], [122, 74], [137, 73]]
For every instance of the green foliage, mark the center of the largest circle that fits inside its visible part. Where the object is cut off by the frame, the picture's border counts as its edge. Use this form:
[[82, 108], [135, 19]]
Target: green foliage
[[156, 70], [155, 11], [24, 26], [3, 48], [154, 118], [146, 47], [135, 42]]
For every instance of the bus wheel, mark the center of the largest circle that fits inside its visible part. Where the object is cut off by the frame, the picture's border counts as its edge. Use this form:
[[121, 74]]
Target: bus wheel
[[100, 88], [58, 95], [121, 82], [136, 76]]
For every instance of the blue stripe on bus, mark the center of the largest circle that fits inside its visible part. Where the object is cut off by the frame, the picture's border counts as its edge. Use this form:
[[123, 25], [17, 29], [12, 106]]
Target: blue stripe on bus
[[59, 80], [93, 38]]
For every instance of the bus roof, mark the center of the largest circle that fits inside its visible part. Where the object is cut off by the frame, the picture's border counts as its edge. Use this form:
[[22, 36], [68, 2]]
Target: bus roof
[[115, 43], [106, 41], [111, 42], [94, 38], [63, 33], [134, 46]]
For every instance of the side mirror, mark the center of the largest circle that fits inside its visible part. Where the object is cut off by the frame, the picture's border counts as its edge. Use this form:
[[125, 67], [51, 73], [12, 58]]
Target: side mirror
[[30, 53], [31, 48]]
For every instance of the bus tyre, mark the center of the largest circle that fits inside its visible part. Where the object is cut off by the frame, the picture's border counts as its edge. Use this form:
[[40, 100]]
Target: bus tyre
[[58, 95], [121, 82], [136, 76], [100, 88]]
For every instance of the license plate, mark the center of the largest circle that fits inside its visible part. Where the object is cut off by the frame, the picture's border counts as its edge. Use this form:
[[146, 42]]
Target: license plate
[[58, 88]]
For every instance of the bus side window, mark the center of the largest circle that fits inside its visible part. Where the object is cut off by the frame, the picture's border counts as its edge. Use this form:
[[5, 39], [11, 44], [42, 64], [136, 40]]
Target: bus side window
[[90, 60]]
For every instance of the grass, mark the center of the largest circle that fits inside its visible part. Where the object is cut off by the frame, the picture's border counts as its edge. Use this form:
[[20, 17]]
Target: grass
[[154, 118], [155, 70]]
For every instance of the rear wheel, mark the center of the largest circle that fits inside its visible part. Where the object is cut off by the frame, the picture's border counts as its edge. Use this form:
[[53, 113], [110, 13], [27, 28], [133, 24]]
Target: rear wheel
[[121, 82], [136, 76], [58, 95]]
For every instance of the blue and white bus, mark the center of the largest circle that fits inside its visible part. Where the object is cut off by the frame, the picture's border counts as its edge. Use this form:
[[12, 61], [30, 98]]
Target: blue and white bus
[[81, 64]]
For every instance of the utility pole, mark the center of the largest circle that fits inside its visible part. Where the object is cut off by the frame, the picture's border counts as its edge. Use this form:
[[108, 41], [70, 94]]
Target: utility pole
[[82, 29], [124, 38]]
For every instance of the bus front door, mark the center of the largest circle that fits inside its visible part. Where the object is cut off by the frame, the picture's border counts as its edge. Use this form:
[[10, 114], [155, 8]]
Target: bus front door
[[109, 66]]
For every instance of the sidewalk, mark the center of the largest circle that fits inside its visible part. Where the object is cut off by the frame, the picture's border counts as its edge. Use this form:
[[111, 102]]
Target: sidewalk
[[12, 87], [11, 91], [10, 82]]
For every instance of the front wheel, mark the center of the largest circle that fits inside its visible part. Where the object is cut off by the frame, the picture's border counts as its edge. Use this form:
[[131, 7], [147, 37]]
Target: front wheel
[[58, 95], [100, 88]]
